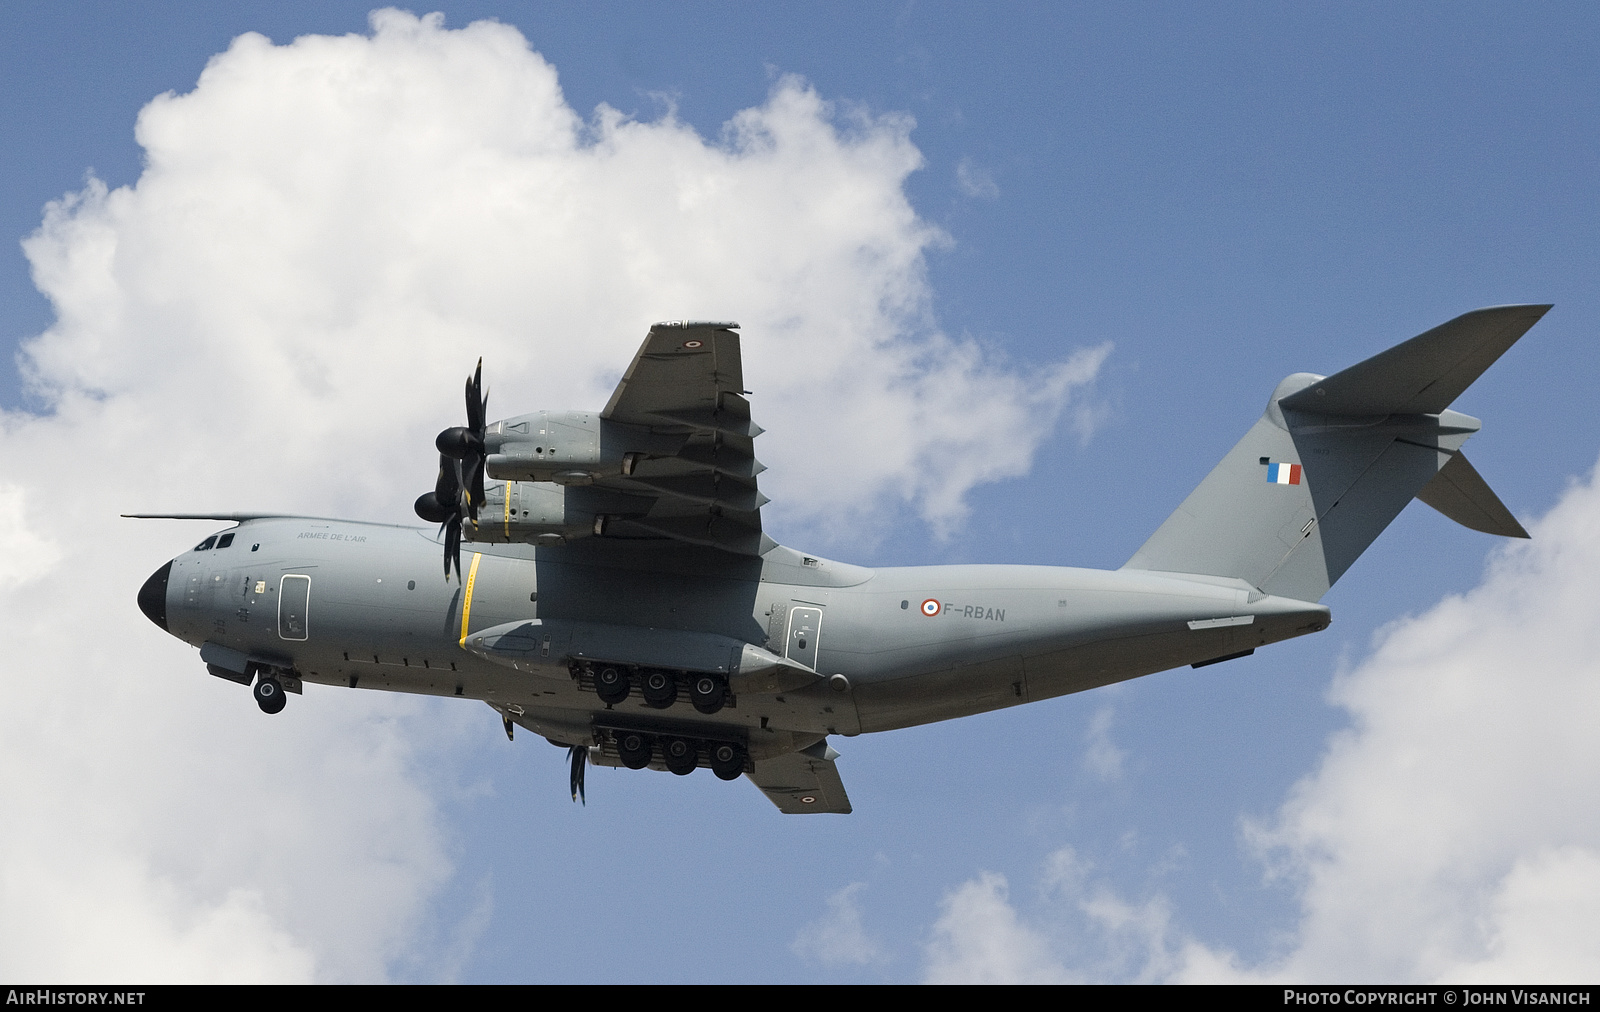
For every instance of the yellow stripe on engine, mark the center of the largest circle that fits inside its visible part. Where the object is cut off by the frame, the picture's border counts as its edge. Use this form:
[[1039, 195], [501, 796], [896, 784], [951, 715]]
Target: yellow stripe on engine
[[466, 602], [508, 511]]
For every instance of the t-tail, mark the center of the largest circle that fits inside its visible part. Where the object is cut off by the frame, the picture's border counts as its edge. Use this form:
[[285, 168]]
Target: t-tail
[[1335, 458]]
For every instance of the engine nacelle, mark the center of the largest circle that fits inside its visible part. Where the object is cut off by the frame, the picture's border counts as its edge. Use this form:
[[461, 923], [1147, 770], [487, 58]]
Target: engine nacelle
[[541, 513], [569, 447]]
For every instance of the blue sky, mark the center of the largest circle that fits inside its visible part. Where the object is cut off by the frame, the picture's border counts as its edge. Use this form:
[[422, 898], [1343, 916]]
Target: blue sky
[[1226, 196]]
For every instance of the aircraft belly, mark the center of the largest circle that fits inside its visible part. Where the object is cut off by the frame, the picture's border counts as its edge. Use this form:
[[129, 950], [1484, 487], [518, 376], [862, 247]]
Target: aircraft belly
[[940, 695], [1089, 629], [813, 712]]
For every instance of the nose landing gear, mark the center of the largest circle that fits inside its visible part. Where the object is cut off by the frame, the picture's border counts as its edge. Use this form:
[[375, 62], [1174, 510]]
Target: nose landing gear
[[269, 694]]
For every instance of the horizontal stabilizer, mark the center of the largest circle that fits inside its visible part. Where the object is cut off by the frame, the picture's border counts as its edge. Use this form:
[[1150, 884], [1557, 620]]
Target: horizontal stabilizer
[[1425, 374], [1461, 494]]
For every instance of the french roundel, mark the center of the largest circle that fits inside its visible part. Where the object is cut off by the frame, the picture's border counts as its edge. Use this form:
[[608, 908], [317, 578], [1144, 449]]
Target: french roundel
[[930, 607], [691, 344]]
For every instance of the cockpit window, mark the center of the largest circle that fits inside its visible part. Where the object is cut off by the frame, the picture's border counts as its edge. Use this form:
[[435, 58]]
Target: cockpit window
[[225, 540], [205, 546]]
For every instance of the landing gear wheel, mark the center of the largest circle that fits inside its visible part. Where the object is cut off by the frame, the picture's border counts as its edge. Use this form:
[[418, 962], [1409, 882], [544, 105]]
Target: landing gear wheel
[[681, 756], [727, 760], [708, 693], [634, 748], [611, 685], [269, 695], [659, 688]]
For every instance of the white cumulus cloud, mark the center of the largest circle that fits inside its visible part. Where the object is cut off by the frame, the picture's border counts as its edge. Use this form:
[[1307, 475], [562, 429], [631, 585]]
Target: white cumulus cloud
[[1449, 834], [839, 936], [980, 939], [975, 181], [1101, 755], [277, 315]]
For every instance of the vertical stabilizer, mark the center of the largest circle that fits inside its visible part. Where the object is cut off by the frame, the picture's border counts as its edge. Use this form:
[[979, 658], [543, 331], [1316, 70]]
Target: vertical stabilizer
[[1334, 459]]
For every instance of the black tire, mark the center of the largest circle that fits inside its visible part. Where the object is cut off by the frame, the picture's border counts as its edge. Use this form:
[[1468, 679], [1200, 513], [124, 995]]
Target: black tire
[[611, 685], [634, 748], [727, 760], [659, 688], [680, 755], [270, 695], [708, 693]]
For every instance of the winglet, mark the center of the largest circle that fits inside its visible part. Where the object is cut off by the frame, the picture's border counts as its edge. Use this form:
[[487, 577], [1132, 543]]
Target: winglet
[[1424, 375]]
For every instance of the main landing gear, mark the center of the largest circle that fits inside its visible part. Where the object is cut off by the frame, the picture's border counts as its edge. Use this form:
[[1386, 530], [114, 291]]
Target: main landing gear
[[659, 688], [681, 755], [708, 693], [636, 750]]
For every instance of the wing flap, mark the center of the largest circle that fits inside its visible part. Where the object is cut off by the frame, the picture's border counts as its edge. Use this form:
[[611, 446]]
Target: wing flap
[[706, 488], [707, 529]]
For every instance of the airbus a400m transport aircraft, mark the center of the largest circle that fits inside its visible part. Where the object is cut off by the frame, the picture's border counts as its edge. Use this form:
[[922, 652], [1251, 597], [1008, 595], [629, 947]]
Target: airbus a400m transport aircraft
[[619, 597]]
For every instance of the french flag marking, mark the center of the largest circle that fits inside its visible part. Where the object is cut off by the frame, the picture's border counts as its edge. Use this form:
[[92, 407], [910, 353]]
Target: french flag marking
[[1283, 474]]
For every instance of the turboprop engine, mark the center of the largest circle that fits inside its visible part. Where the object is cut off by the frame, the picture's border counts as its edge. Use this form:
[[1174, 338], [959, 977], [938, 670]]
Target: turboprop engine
[[570, 447], [541, 513], [545, 461], [672, 471]]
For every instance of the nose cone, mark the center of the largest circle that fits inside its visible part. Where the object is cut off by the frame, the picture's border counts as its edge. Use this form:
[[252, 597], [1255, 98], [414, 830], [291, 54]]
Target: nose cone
[[153, 596]]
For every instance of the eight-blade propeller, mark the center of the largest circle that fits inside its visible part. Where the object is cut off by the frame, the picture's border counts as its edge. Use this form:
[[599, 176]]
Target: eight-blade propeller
[[458, 492]]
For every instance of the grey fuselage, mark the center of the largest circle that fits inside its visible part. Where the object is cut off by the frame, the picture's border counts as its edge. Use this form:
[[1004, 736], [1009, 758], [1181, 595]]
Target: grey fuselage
[[914, 645]]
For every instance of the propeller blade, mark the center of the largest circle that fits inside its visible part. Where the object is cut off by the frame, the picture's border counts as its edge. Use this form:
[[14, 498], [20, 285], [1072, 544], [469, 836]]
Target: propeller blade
[[441, 504], [477, 404], [445, 487], [475, 497], [458, 491], [452, 547], [579, 756]]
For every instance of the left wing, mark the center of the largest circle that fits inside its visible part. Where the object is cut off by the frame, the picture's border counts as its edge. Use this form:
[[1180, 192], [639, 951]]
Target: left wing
[[687, 381], [671, 458], [803, 783]]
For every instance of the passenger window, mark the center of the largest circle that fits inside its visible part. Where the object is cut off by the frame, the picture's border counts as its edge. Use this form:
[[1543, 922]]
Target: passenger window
[[205, 546], [225, 540]]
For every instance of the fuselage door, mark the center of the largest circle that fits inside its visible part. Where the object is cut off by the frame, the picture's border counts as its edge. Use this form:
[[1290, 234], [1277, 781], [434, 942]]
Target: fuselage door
[[805, 632], [294, 603]]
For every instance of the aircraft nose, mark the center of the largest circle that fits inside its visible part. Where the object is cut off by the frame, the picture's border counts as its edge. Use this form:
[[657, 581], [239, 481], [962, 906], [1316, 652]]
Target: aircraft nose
[[153, 596]]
